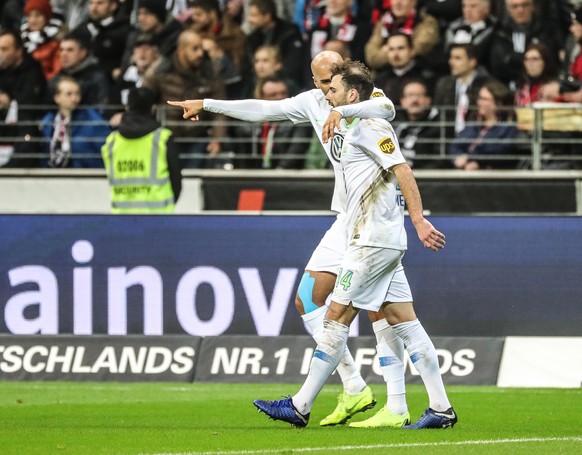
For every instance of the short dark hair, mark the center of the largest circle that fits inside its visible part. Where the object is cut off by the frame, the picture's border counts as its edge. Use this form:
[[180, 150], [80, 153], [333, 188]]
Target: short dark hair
[[274, 79], [355, 75], [17, 39], [206, 5], [406, 36], [470, 49], [415, 80], [265, 7], [80, 39]]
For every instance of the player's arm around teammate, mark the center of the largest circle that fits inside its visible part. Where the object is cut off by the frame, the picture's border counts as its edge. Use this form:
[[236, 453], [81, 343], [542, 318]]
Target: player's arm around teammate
[[320, 273]]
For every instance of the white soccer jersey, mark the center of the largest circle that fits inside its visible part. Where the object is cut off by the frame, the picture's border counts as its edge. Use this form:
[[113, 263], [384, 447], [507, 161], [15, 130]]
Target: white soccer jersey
[[312, 106], [309, 106], [375, 205]]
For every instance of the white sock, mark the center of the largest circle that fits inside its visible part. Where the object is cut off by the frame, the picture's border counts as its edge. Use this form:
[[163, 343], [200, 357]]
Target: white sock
[[325, 359], [424, 357], [350, 375], [390, 350]]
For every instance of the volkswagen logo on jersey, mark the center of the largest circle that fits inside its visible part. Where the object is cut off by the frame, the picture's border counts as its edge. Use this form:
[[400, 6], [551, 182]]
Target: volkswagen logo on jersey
[[336, 146]]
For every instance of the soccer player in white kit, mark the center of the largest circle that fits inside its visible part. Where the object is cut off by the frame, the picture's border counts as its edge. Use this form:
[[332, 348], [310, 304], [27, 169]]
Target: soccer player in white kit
[[320, 273], [371, 276]]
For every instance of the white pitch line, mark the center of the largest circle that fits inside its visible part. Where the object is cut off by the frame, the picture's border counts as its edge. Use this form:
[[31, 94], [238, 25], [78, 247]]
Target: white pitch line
[[380, 446]]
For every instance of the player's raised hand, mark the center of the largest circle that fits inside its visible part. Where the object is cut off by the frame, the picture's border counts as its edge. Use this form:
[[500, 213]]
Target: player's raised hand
[[429, 236], [332, 122], [191, 108]]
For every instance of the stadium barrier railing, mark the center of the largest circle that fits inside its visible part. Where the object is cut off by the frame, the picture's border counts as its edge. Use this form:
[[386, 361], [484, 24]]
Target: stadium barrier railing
[[550, 138]]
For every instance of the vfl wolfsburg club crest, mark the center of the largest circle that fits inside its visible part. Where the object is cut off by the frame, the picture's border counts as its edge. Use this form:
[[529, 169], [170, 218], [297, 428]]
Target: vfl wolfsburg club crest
[[336, 146]]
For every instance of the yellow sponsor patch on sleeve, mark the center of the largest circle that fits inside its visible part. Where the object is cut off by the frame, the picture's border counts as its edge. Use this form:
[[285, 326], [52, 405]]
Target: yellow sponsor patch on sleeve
[[387, 145], [376, 94]]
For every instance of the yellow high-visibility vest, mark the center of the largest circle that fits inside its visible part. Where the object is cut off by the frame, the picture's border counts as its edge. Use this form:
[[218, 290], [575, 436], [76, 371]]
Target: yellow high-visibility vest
[[138, 173]]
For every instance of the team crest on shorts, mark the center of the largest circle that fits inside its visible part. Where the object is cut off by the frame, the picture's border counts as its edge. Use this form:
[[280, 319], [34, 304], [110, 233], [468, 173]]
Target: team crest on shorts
[[387, 145]]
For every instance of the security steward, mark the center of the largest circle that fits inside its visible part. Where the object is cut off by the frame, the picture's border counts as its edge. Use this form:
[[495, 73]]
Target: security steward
[[141, 160]]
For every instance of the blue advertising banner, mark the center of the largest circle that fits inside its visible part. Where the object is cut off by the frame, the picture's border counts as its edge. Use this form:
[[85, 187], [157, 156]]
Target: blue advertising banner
[[237, 275]]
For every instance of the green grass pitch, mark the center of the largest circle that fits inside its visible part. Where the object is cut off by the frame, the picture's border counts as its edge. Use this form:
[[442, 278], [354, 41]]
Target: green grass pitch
[[115, 418]]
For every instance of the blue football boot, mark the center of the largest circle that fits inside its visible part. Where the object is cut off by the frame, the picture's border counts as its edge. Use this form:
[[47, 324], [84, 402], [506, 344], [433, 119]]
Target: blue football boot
[[434, 419], [282, 410]]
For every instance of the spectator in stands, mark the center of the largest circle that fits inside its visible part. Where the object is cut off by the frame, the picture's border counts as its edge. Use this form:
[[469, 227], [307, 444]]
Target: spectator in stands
[[476, 26], [269, 29], [538, 80], [281, 145], [107, 34], [419, 133], [235, 10], [11, 14], [77, 62], [207, 20], [403, 67], [141, 139], [179, 9], [570, 90], [402, 16], [458, 91], [39, 35], [22, 85], [490, 134], [238, 10], [520, 28], [224, 67], [574, 45], [152, 17], [145, 57], [266, 63], [445, 11], [189, 73], [306, 14], [336, 21], [74, 12], [73, 135], [341, 47], [555, 14]]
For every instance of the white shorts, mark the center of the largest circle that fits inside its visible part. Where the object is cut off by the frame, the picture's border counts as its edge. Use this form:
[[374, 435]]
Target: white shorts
[[328, 255], [370, 276]]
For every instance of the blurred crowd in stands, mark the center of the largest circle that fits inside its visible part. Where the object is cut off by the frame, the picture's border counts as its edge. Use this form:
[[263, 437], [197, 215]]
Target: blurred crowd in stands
[[463, 74]]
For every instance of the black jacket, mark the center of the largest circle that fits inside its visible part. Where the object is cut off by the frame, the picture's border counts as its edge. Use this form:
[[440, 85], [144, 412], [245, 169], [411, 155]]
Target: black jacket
[[93, 81], [107, 42], [392, 83], [445, 96], [287, 37], [504, 62], [26, 85], [420, 138], [165, 40]]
